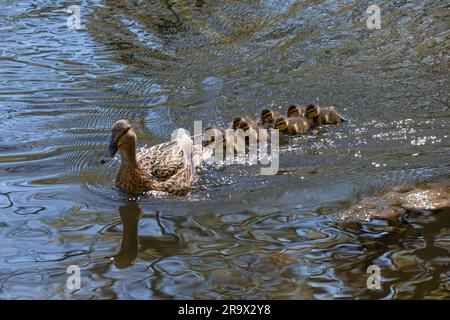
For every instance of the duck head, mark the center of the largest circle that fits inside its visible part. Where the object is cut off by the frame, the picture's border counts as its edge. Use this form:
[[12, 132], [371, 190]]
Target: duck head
[[236, 123], [294, 110], [212, 135], [244, 125], [281, 123], [267, 118], [123, 139], [312, 111]]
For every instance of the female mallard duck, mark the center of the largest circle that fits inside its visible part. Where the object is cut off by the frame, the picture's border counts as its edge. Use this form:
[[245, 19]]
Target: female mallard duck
[[295, 111], [320, 116], [268, 118], [292, 126], [165, 167]]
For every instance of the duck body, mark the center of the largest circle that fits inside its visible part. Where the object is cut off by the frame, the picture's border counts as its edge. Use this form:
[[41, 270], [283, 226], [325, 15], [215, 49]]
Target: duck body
[[162, 167], [167, 167], [331, 116], [292, 126], [227, 140], [323, 116]]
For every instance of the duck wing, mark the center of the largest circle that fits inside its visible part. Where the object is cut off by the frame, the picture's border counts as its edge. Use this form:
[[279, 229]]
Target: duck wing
[[163, 161]]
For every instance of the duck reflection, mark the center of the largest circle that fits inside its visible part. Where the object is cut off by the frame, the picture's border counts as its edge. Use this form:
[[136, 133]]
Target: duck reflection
[[130, 214]]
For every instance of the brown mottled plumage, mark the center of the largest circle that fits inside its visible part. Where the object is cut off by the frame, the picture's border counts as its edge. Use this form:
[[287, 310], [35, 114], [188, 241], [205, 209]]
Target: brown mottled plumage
[[292, 126], [322, 116], [164, 167]]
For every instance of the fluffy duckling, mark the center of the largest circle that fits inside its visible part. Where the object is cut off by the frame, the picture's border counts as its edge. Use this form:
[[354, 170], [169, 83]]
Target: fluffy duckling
[[322, 116], [268, 118], [292, 126], [212, 135], [295, 111], [165, 167], [238, 121], [217, 138], [250, 128]]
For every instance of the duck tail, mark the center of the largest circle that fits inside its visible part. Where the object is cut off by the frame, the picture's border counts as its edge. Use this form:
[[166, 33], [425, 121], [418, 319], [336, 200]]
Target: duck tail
[[184, 141]]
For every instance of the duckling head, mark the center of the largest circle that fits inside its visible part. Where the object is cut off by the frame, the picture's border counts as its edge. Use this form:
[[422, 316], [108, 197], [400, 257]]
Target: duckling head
[[236, 123], [213, 134], [123, 139], [294, 110], [312, 111], [244, 125], [281, 123], [267, 118]]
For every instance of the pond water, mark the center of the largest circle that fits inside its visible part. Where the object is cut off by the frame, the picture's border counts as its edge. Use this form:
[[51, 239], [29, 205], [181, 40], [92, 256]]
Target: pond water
[[238, 234]]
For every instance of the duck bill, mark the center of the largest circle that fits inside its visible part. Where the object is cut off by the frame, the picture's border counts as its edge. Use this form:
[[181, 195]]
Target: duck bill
[[110, 152]]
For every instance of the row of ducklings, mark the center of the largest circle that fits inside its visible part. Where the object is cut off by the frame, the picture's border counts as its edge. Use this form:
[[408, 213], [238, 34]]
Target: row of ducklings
[[298, 120]]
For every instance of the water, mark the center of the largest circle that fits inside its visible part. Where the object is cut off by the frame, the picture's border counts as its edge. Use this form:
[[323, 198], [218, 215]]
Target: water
[[164, 64]]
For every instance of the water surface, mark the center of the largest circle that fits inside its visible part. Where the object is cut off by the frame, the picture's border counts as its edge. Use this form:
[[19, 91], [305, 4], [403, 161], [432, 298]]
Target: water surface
[[165, 64]]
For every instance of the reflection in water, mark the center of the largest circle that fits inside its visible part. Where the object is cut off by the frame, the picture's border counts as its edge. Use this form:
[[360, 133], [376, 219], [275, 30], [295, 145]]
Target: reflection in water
[[130, 214], [395, 205], [164, 64]]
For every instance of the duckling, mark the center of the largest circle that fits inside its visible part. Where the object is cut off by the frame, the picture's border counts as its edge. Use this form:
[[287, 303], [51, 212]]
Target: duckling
[[321, 116], [165, 167], [238, 121], [217, 138], [268, 118], [212, 134], [295, 111], [292, 126], [251, 129]]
